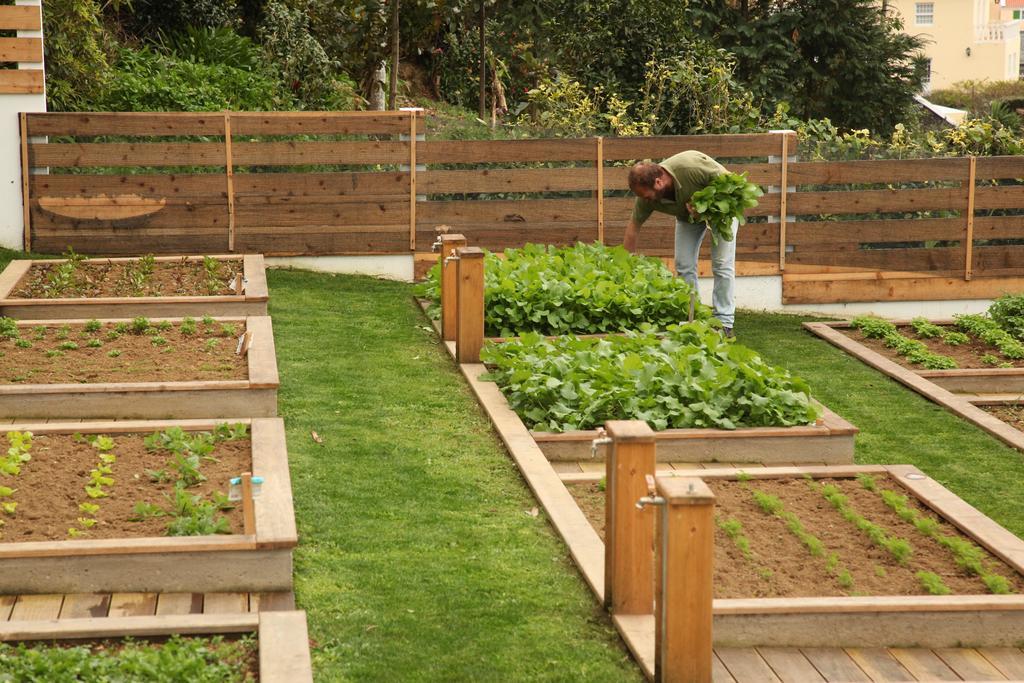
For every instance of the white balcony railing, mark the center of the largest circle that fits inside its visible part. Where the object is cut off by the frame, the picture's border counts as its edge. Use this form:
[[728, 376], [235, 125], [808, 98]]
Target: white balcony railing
[[994, 32]]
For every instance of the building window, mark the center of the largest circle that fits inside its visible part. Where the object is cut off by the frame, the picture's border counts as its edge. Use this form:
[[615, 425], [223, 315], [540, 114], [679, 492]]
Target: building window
[[926, 83], [924, 13], [1016, 14]]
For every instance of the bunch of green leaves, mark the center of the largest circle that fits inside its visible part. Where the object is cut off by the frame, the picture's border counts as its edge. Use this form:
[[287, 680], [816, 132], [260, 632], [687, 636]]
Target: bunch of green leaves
[[690, 376], [915, 351], [192, 515], [197, 660], [211, 270], [989, 331], [583, 289], [18, 452], [929, 330], [1008, 312], [724, 200], [9, 328]]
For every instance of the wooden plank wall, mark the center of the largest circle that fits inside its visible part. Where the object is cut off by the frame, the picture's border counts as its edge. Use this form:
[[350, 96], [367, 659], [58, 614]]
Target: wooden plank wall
[[300, 182], [503, 194], [25, 53]]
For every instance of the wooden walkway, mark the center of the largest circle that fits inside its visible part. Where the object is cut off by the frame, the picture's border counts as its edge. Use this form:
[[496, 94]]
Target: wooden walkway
[[93, 605], [811, 665]]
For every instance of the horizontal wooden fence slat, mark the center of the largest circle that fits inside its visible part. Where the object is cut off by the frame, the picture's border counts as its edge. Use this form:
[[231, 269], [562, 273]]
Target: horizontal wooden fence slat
[[127, 123], [127, 243], [988, 168], [621, 208], [200, 215], [124, 154], [1004, 258], [718, 146], [503, 151], [998, 227], [805, 233], [378, 213], [21, 81], [315, 153], [317, 184], [506, 180], [511, 212], [498, 237], [1000, 197], [318, 123], [876, 171], [871, 201], [272, 242], [174, 188], [944, 259], [21, 49], [20, 18]]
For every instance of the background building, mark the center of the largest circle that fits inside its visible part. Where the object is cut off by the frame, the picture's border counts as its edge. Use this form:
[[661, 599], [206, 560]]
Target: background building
[[969, 39]]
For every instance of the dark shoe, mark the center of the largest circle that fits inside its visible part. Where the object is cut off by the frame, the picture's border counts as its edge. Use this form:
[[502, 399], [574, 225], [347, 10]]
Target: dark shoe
[[728, 333]]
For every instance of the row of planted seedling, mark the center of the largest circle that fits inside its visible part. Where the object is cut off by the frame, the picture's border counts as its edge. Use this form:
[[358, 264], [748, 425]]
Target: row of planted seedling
[[967, 555], [1004, 347], [187, 511], [74, 277]]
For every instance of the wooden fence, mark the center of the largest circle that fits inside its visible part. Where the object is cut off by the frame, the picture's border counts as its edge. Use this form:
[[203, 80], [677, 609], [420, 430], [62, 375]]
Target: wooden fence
[[22, 57], [319, 183]]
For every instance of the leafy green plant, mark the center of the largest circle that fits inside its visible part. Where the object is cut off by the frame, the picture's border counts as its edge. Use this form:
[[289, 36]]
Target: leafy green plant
[[926, 329], [773, 505], [23, 344], [688, 377], [188, 326], [191, 515], [899, 548], [1008, 312], [991, 333], [158, 341], [63, 332], [724, 200], [94, 344], [68, 346], [140, 325], [932, 583], [9, 328], [114, 353], [197, 660], [915, 351], [54, 353], [954, 338], [584, 289], [873, 328], [228, 330], [966, 554], [93, 326], [210, 344]]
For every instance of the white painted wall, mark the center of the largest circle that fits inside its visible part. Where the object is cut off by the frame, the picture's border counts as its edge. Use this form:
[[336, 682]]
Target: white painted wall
[[12, 223], [397, 267]]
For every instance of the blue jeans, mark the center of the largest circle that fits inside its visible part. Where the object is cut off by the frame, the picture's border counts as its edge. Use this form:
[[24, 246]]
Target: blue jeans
[[723, 267]]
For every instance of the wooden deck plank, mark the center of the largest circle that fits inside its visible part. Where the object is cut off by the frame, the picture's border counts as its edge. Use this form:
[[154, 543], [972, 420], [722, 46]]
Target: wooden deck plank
[[719, 674], [281, 601], [1009, 660], [278, 662], [924, 664], [37, 607], [85, 605], [834, 664], [969, 665], [225, 603], [790, 665], [878, 664], [133, 604], [744, 664], [180, 603]]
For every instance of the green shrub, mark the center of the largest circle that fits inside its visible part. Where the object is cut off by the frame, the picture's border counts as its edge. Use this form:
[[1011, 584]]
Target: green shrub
[[1008, 312]]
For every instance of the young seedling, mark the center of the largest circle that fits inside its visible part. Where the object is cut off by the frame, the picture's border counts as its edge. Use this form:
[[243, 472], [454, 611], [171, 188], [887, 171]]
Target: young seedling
[[63, 332], [158, 341], [140, 325], [93, 326], [68, 346], [188, 326], [94, 344], [23, 344], [8, 328]]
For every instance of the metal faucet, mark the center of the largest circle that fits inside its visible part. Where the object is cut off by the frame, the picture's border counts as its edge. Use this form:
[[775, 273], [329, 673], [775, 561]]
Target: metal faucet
[[602, 440]]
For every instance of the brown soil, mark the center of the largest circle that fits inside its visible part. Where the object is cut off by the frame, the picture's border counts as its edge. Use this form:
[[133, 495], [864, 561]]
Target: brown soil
[[1012, 415], [125, 279], [779, 565], [51, 486], [967, 356], [208, 354]]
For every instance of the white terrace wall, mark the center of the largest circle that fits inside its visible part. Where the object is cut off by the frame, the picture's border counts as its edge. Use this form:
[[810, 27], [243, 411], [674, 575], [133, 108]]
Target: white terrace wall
[[21, 90]]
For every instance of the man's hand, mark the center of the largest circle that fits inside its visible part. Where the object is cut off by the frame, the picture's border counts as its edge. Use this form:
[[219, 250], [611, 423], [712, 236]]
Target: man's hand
[[629, 238]]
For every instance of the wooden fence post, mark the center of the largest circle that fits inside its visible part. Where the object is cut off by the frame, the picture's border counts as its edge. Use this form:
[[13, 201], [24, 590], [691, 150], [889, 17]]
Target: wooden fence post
[[629, 532], [248, 505], [469, 321], [972, 167], [229, 171], [600, 189], [783, 189], [414, 114], [449, 246], [683, 594]]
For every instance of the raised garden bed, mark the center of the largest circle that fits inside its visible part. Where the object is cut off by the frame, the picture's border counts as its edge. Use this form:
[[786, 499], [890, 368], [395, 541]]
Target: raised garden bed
[[129, 287], [808, 557], [272, 647], [709, 399], [977, 363], [138, 368], [94, 507]]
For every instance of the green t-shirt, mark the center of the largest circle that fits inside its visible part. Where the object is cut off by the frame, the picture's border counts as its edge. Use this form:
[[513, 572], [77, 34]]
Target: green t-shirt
[[691, 170]]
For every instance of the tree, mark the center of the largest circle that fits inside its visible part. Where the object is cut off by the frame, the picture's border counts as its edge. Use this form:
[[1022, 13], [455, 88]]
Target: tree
[[846, 60]]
